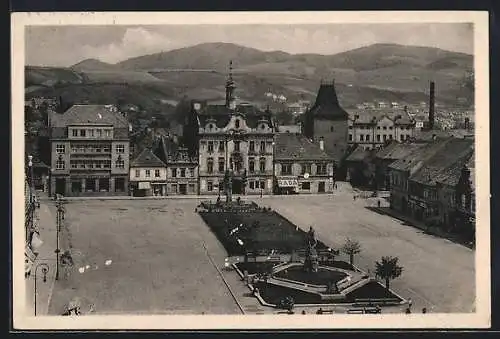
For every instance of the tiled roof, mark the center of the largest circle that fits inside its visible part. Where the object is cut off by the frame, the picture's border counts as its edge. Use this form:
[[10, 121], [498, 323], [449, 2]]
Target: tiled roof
[[416, 156], [290, 146], [396, 150], [147, 159], [451, 175], [366, 116], [454, 153], [427, 135], [88, 114], [221, 115], [359, 154]]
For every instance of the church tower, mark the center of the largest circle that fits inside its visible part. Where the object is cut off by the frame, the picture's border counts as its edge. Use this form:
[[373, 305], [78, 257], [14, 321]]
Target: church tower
[[230, 87]]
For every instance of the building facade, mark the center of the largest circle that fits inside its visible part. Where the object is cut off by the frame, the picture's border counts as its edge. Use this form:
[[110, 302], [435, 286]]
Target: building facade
[[301, 167], [373, 128], [148, 175], [234, 142], [89, 151]]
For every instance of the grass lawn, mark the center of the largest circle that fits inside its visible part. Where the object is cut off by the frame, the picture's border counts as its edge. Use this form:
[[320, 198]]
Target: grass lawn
[[265, 231]]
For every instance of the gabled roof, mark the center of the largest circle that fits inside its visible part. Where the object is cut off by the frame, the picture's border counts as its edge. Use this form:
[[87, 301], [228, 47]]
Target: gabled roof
[[289, 146], [396, 150], [417, 156], [89, 114], [147, 159], [359, 154], [367, 116], [449, 159]]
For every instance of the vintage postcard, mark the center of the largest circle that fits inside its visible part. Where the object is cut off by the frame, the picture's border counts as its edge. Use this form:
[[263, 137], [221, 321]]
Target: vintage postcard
[[250, 170]]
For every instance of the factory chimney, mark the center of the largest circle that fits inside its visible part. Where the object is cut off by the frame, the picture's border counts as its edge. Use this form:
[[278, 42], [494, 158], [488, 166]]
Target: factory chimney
[[431, 106]]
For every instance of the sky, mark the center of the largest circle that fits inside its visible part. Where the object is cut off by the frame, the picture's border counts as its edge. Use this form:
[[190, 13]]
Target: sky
[[67, 45]]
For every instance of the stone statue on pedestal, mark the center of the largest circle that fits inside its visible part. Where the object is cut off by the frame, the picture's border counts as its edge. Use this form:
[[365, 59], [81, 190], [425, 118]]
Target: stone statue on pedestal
[[311, 260]]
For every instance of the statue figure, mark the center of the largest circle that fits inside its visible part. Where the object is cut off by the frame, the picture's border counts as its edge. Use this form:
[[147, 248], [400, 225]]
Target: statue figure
[[311, 260]]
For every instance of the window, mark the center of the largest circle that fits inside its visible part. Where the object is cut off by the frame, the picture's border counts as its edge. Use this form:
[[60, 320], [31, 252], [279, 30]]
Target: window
[[402, 137], [120, 148], [108, 133], [82, 132], [306, 186], [385, 137], [237, 146], [390, 127], [137, 173], [221, 165], [210, 146], [148, 173], [252, 146], [81, 164], [221, 146], [73, 164], [350, 127], [106, 149], [262, 165], [121, 164], [75, 132], [378, 137], [210, 186], [60, 164], [350, 137], [91, 133], [385, 127], [286, 169], [174, 188], [119, 185], [262, 146], [321, 169], [98, 149], [251, 165], [251, 184], [210, 165], [157, 173], [368, 137], [183, 172], [89, 164], [390, 136], [306, 168], [98, 164], [98, 133], [361, 137], [174, 172], [60, 148], [237, 123], [191, 172], [262, 185]]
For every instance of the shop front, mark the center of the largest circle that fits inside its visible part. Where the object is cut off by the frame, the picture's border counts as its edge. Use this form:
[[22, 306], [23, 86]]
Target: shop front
[[287, 185]]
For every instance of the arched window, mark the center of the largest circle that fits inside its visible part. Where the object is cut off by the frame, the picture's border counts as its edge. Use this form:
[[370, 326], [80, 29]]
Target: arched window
[[262, 165]]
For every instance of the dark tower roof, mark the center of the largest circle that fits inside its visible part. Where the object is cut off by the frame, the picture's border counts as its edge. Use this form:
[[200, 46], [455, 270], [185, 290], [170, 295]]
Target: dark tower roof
[[327, 104]]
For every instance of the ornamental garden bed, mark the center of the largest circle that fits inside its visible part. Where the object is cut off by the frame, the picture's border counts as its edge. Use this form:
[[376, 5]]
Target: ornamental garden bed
[[322, 277], [272, 294], [259, 231]]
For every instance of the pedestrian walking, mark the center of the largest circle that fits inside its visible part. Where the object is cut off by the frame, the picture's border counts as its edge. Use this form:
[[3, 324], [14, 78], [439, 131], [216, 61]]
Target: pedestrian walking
[[303, 311], [424, 310], [408, 311], [378, 203]]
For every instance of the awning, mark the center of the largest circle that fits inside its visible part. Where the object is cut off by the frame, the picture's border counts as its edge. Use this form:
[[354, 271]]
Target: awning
[[288, 182]]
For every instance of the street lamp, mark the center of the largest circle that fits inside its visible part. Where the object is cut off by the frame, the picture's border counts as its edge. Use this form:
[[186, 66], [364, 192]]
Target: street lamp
[[45, 270], [31, 199], [60, 218]]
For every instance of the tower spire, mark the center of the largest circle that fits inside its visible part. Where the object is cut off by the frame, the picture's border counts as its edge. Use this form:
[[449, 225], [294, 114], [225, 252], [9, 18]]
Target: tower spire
[[230, 101]]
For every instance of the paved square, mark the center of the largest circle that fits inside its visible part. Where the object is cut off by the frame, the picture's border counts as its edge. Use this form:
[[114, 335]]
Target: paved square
[[160, 265]]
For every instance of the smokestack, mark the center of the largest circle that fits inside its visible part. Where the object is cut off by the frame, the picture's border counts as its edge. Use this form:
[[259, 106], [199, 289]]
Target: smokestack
[[431, 106], [321, 144]]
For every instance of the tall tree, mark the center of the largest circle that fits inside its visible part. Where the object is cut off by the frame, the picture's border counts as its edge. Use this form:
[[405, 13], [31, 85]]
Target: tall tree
[[351, 248], [388, 269]]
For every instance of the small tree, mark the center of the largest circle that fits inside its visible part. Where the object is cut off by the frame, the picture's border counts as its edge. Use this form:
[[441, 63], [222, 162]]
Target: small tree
[[388, 269], [351, 248]]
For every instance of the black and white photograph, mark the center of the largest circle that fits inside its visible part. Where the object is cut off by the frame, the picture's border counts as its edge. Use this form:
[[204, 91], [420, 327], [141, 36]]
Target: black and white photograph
[[250, 170]]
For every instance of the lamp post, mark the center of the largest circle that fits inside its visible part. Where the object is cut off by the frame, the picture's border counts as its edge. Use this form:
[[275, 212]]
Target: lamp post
[[60, 218], [45, 270], [32, 200]]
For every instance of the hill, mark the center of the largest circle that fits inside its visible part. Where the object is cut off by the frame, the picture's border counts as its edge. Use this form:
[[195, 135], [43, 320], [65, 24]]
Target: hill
[[378, 72]]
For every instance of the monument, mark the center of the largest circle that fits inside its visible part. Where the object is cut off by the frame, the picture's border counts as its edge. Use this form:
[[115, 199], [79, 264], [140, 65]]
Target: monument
[[311, 259]]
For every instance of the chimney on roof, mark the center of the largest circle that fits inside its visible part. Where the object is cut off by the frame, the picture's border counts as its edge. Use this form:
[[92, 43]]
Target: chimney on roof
[[321, 144], [431, 106]]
